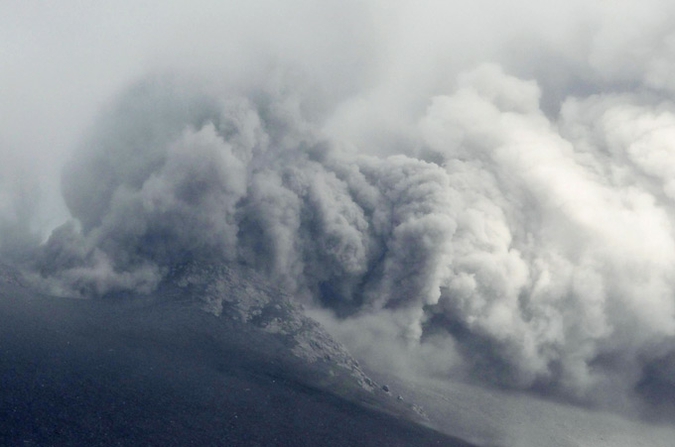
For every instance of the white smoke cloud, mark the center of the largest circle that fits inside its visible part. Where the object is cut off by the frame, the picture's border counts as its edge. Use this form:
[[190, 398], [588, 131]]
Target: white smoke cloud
[[585, 270], [510, 219]]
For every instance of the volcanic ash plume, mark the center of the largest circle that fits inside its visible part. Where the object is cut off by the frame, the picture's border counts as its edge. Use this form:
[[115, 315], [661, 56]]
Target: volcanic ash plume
[[532, 249]]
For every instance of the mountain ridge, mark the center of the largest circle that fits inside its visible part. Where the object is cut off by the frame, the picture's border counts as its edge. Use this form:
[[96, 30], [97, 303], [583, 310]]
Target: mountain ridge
[[99, 371]]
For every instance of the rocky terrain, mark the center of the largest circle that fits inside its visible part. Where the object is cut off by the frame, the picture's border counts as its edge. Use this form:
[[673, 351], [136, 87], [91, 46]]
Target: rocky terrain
[[215, 356]]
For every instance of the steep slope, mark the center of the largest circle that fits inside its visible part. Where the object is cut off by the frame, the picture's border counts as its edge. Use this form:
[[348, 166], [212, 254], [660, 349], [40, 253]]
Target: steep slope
[[158, 370]]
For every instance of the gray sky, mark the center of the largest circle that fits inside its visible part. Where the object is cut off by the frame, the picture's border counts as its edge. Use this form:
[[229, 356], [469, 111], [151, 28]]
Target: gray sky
[[62, 62]]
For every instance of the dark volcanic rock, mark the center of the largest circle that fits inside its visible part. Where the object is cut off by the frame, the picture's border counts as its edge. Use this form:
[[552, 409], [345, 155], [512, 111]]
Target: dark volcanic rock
[[158, 370], [240, 294]]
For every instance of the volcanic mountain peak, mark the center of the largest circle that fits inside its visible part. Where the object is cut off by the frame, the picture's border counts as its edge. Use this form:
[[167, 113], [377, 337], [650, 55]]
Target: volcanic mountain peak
[[216, 349], [240, 294]]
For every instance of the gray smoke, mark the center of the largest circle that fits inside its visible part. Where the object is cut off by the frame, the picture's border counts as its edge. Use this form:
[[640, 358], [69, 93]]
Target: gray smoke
[[511, 220], [19, 196]]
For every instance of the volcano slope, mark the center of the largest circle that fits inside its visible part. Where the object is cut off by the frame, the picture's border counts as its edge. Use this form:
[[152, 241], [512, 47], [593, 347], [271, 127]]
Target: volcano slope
[[214, 357]]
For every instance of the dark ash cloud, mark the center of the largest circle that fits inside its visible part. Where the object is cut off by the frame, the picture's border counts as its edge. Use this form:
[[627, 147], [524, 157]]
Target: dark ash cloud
[[515, 253]]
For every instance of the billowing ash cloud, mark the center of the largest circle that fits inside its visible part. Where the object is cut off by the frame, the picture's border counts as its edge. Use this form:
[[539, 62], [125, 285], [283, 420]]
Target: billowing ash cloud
[[539, 250], [514, 220]]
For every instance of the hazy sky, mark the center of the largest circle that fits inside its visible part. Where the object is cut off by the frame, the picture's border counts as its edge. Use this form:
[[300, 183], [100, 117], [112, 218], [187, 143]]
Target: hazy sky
[[62, 62]]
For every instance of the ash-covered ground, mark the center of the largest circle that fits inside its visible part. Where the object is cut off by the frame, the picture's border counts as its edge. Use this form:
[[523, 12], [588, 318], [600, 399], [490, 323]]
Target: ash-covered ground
[[215, 357]]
